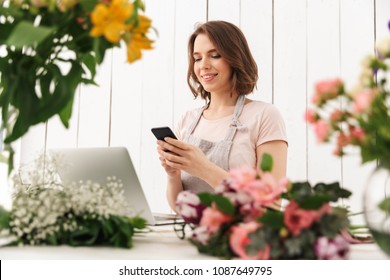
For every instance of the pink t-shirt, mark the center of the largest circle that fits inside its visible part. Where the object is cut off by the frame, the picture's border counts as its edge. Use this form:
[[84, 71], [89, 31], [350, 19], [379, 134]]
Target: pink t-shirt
[[263, 121]]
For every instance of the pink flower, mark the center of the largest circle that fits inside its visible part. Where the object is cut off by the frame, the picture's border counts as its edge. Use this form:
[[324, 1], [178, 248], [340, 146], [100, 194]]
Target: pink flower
[[266, 190], [297, 219], [212, 218], [251, 212], [238, 198], [326, 90], [331, 249], [241, 177], [363, 100], [239, 239], [358, 135], [311, 116], [201, 235], [336, 116], [189, 207], [342, 141], [322, 130]]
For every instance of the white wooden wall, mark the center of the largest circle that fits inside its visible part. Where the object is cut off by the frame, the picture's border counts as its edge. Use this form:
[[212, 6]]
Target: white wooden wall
[[295, 43]]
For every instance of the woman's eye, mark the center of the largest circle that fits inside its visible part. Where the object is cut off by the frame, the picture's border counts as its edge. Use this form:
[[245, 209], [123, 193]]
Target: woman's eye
[[197, 59], [216, 56]]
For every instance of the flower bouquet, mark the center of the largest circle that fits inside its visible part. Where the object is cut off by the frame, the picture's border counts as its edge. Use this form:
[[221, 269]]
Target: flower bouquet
[[360, 118], [49, 47], [47, 212], [243, 218]]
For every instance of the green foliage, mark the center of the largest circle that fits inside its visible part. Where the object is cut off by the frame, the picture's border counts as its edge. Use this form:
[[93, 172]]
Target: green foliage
[[267, 163], [48, 50], [222, 203], [309, 197], [385, 205]]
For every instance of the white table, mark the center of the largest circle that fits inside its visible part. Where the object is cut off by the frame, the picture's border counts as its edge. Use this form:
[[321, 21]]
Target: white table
[[161, 244]]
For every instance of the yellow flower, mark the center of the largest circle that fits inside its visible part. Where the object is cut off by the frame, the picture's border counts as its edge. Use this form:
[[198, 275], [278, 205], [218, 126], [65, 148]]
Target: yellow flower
[[137, 39], [110, 20], [137, 42], [144, 23]]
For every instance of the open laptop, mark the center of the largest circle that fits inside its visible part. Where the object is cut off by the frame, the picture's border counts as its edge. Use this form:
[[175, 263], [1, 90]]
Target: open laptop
[[96, 164]]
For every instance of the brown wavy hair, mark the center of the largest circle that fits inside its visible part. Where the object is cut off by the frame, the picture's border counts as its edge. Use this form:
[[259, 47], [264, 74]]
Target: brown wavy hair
[[230, 43]]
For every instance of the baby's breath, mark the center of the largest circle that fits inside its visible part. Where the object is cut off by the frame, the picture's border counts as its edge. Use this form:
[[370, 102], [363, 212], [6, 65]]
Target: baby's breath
[[44, 208]]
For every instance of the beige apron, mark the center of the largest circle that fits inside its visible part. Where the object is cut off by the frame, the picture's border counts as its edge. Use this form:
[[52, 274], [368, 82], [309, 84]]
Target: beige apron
[[216, 152]]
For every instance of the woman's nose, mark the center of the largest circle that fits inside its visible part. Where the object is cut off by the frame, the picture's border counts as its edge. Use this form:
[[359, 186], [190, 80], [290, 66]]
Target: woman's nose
[[205, 63]]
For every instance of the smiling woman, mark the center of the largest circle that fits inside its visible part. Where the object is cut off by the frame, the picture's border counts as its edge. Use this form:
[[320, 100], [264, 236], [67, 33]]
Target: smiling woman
[[230, 130]]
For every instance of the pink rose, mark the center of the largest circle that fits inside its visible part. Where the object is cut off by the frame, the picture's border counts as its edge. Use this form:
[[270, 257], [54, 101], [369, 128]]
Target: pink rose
[[326, 90], [251, 212], [297, 219], [357, 134], [239, 239], [322, 130], [336, 116], [212, 218], [311, 116], [267, 190], [363, 100], [241, 177]]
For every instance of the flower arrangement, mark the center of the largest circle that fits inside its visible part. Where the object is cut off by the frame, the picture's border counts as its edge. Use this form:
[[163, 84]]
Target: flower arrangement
[[243, 218], [47, 212], [49, 47], [363, 119], [360, 118]]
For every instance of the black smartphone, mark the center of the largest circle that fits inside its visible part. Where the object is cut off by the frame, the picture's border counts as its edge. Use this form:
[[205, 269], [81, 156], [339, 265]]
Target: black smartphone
[[162, 132]]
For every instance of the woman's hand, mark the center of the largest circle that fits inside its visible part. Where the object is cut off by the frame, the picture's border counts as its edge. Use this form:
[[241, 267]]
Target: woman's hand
[[189, 158], [171, 172], [178, 155]]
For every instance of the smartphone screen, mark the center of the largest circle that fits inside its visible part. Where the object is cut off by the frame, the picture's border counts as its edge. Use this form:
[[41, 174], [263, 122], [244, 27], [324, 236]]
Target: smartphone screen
[[162, 132]]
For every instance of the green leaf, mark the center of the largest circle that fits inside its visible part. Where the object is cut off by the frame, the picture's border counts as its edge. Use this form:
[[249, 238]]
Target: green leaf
[[6, 30], [224, 204], [88, 5], [314, 202], [266, 163], [138, 222], [385, 205], [26, 34], [90, 62], [273, 219], [206, 198], [5, 218]]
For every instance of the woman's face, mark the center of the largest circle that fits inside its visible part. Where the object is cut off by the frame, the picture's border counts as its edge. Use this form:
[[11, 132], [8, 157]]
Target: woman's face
[[212, 71]]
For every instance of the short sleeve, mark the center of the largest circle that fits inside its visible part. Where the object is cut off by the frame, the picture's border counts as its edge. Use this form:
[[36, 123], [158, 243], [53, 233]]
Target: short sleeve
[[271, 126]]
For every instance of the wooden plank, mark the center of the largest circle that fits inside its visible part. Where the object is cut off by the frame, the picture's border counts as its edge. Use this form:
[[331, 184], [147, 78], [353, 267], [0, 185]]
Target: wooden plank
[[126, 118], [290, 93], [188, 14], [58, 136], [357, 41], [256, 22], [228, 10], [95, 108], [323, 62], [157, 100]]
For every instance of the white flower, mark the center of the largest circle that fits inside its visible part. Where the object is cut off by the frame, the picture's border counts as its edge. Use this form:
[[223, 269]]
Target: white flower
[[383, 47]]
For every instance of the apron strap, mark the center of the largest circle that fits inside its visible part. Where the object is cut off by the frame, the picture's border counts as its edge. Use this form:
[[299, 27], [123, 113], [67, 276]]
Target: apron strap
[[235, 124], [197, 117]]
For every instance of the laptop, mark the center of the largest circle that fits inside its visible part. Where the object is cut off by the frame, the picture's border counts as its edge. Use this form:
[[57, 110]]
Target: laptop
[[96, 164]]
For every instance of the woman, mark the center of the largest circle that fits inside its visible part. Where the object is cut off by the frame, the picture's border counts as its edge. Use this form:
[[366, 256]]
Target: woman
[[230, 130]]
